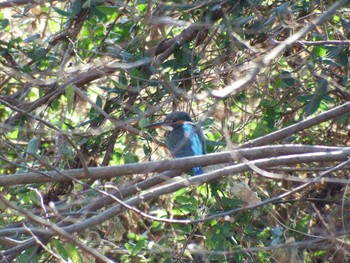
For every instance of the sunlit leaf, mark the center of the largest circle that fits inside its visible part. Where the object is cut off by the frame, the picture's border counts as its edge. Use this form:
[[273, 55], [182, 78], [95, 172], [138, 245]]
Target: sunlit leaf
[[4, 23], [59, 247], [69, 91], [108, 10], [139, 245], [73, 253], [319, 51]]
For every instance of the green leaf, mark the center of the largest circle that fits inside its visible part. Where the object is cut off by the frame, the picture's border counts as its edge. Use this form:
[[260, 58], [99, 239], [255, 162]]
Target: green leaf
[[187, 208], [318, 52], [143, 122], [343, 118], [232, 202], [182, 199], [157, 226], [322, 85], [66, 152], [183, 55], [57, 245], [99, 101], [76, 7], [130, 157], [139, 245], [31, 38], [4, 23], [129, 247], [63, 13], [287, 79], [132, 236], [87, 4], [313, 105], [73, 253], [283, 9], [211, 143], [142, 7], [239, 21], [256, 130], [108, 10], [33, 145], [69, 90], [331, 62], [178, 6], [38, 54], [28, 256]]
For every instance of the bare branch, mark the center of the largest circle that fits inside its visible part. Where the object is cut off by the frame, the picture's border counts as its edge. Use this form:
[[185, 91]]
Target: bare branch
[[149, 167]]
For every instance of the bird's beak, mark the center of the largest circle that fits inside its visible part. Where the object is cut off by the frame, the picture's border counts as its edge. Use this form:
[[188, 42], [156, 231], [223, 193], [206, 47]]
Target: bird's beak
[[155, 125], [160, 124]]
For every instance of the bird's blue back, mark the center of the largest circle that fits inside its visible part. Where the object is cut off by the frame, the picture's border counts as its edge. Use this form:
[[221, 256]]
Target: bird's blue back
[[186, 140]]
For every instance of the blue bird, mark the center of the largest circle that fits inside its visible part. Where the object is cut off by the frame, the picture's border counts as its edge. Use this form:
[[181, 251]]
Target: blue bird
[[183, 138]]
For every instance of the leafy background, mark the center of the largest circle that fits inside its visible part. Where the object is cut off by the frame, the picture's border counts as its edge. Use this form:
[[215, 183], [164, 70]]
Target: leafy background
[[80, 79]]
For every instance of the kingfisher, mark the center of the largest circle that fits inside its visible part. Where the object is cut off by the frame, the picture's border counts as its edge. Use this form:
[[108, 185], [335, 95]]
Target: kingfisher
[[183, 138]]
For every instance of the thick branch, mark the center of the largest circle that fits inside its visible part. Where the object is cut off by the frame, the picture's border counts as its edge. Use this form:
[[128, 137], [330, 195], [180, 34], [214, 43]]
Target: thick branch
[[340, 155], [149, 167], [14, 3]]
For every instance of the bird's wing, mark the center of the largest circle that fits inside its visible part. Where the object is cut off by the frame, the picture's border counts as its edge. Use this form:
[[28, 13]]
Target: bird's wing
[[201, 137], [198, 130]]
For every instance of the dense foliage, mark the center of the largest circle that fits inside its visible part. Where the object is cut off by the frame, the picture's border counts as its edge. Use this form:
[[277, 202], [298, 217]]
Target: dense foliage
[[80, 79]]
